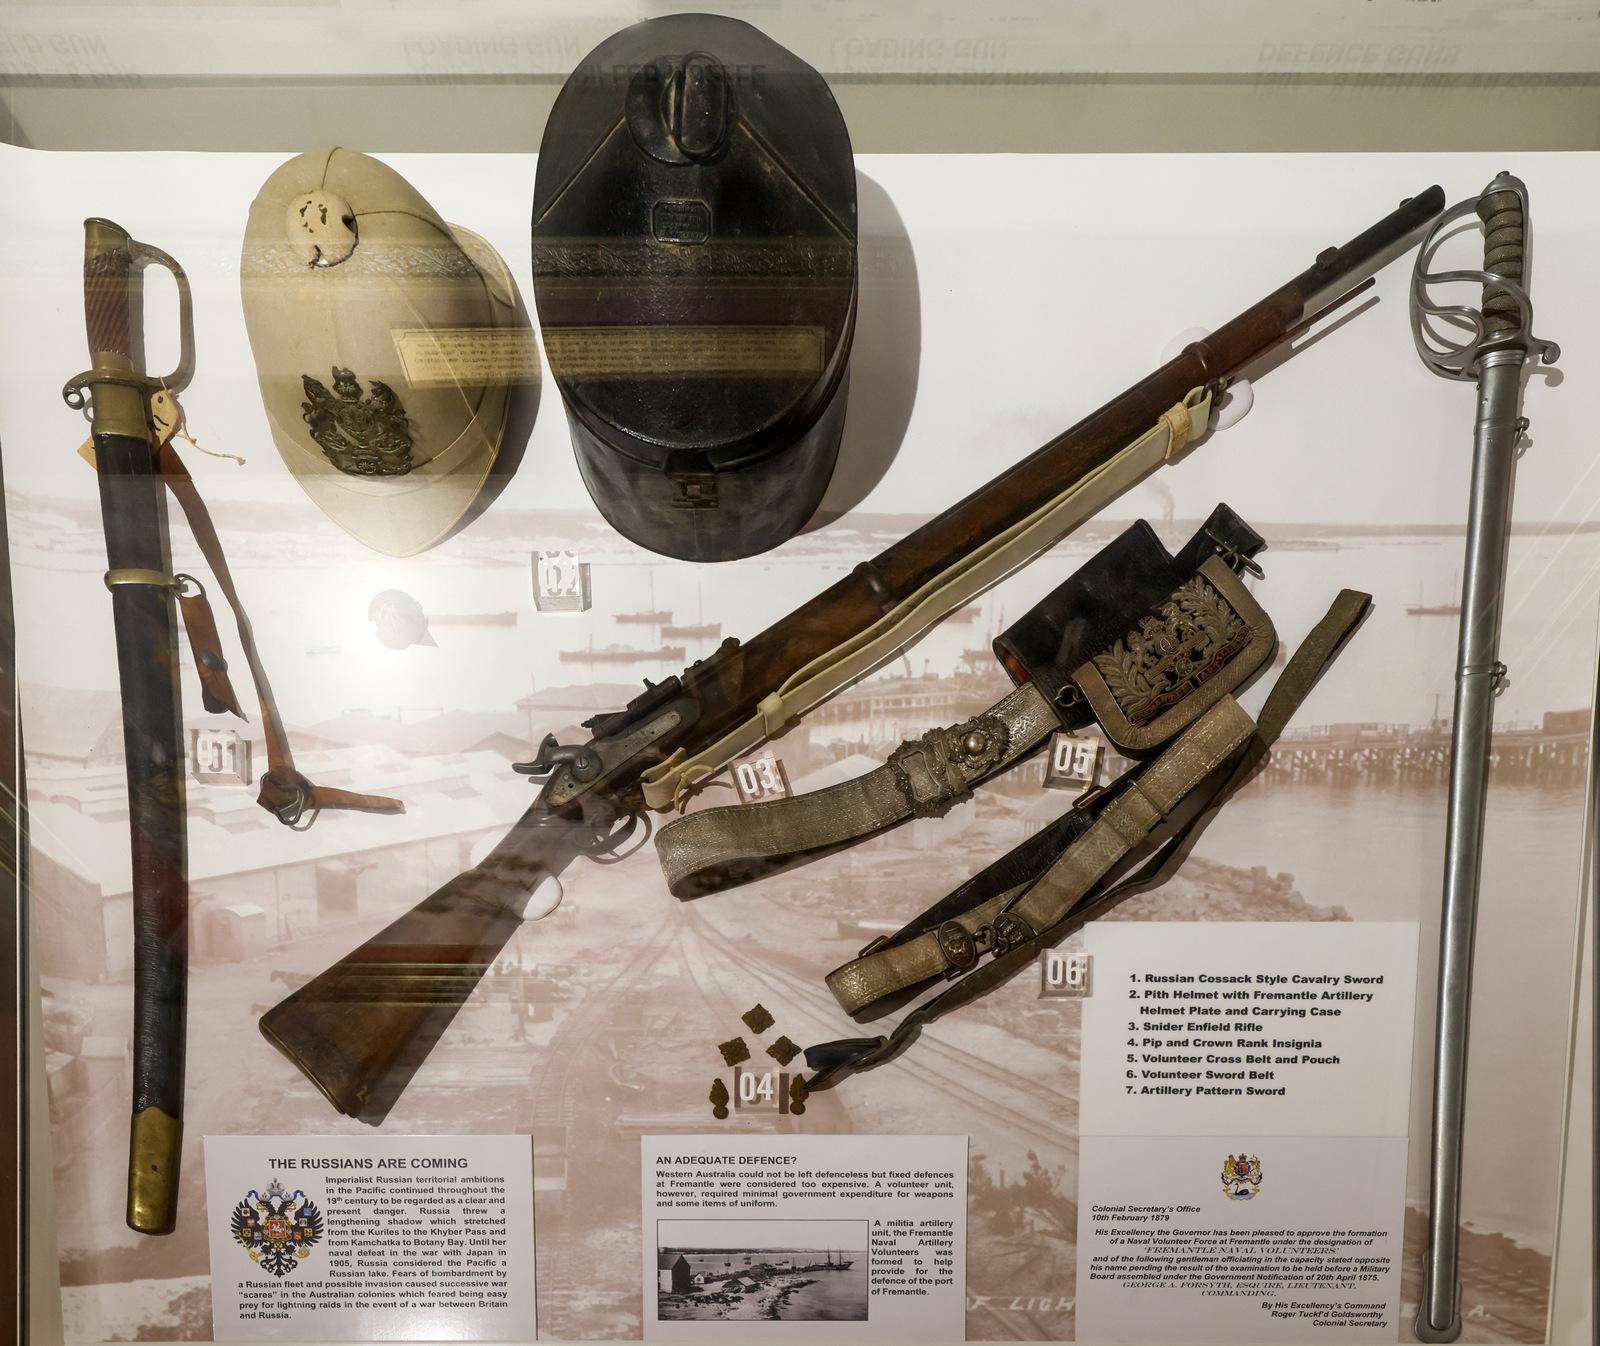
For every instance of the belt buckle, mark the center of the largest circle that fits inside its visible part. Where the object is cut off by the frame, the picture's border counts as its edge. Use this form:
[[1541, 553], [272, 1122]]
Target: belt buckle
[[959, 947]]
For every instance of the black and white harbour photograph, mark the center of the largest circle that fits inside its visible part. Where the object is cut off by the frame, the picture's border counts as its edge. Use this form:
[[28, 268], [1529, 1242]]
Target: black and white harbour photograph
[[778, 1270]]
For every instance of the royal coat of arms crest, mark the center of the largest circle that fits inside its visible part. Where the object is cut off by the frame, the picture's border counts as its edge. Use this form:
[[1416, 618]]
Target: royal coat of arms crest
[[1241, 1176], [277, 1230], [361, 435]]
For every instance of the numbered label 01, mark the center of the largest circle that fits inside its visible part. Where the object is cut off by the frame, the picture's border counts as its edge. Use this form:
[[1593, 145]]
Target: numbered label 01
[[219, 757], [1073, 761], [758, 778]]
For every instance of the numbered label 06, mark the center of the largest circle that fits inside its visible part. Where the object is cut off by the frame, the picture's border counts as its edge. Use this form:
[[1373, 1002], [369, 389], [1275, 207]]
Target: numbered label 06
[[1064, 972]]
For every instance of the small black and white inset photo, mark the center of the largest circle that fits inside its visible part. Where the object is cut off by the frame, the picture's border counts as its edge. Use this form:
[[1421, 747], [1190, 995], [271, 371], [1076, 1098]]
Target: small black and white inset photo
[[755, 1270]]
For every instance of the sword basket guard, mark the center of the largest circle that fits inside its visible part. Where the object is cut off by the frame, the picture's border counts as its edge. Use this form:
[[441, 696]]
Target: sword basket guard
[[1505, 318]]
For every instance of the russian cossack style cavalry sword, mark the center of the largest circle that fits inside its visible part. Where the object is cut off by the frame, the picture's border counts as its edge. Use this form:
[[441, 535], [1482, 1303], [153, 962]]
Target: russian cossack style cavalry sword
[[1500, 344], [143, 589], [134, 417]]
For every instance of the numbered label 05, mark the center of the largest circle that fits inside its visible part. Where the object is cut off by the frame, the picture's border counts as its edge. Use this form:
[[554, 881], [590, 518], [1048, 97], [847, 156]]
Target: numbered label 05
[[1073, 761]]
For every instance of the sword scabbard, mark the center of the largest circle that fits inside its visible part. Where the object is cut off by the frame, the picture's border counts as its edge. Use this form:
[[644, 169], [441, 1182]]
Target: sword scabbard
[[133, 514]]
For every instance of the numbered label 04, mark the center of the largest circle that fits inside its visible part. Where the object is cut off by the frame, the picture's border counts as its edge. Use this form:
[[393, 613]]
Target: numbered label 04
[[760, 1090], [758, 778], [1073, 761]]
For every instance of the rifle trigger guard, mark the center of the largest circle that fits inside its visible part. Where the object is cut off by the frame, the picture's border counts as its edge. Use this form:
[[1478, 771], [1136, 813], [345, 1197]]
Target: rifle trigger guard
[[605, 850]]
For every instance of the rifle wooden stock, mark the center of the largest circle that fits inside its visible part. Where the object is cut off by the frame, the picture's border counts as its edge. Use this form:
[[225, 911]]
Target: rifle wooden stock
[[359, 1030], [351, 1027]]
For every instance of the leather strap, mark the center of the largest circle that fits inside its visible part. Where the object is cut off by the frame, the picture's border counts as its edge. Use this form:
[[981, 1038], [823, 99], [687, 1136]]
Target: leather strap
[[1011, 917], [200, 625], [284, 791], [1015, 924], [719, 848]]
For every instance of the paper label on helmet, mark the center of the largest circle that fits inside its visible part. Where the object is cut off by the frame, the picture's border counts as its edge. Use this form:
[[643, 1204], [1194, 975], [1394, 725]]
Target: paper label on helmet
[[466, 357], [673, 352]]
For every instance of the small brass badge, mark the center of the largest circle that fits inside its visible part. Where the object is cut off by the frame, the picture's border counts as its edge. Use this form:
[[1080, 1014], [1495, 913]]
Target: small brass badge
[[362, 436]]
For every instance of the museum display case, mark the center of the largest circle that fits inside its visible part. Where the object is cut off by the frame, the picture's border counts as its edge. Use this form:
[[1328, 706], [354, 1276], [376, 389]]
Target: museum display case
[[920, 672]]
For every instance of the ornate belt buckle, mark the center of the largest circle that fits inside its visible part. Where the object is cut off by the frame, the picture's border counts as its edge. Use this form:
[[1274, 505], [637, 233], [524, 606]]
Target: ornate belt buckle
[[959, 948], [945, 763], [1010, 931]]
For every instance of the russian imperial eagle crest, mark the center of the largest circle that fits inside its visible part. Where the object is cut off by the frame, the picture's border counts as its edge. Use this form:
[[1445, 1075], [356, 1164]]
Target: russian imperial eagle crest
[[363, 435], [277, 1229], [1241, 1176]]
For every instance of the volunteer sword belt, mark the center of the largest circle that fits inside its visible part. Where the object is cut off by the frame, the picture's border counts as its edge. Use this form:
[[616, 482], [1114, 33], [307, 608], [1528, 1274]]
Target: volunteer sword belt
[[1025, 901], [1142, 641]]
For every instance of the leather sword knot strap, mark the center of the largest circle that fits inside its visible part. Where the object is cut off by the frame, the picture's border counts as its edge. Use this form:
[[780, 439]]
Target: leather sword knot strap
[[1027, 899], [285, 793]]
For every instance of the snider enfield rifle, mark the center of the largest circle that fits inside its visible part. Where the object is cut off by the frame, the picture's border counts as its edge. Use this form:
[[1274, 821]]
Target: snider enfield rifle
[[359, 1030]]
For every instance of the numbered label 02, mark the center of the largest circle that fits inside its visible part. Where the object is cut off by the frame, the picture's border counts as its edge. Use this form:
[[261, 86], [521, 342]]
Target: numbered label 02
[[219, 757], [1073, 761], [758, 778], [560, 582]]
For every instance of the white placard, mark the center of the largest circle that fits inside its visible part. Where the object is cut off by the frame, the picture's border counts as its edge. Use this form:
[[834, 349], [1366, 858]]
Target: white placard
[[1249, 1026], [341, 1238], [1166, 1254], [825, 1238], [1244, 1108]]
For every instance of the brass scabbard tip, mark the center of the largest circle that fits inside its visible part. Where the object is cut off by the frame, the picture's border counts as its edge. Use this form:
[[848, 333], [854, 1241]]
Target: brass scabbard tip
[[155, 1145]]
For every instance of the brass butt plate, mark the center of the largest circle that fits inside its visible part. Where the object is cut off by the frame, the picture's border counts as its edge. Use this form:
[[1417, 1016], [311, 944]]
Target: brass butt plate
[[155, 1144]]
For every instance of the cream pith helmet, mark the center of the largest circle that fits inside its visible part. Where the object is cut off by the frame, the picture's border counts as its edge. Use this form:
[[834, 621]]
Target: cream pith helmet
[[391, 347]]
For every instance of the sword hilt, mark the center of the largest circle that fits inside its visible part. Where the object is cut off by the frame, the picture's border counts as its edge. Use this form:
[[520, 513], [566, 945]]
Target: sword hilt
[[112, 294], [1503, 210], [1504, 322], [113, 310]]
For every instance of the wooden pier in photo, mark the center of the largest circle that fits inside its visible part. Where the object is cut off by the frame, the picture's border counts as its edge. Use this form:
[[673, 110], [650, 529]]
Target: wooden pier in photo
[[1555, 751]]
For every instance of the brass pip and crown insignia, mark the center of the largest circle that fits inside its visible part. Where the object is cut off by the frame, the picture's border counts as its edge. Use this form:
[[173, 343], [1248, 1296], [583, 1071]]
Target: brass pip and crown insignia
[[362, 436]]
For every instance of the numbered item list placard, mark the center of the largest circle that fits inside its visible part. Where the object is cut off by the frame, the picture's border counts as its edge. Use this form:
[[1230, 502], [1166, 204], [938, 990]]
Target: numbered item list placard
[[1245, 1097]]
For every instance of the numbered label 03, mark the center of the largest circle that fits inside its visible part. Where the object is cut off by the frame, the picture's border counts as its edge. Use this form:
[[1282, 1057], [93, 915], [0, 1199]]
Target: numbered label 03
[[758, 778]]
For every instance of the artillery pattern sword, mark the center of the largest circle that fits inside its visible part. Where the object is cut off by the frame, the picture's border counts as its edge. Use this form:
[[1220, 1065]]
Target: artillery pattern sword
[[1500, 345], [116, 393]]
